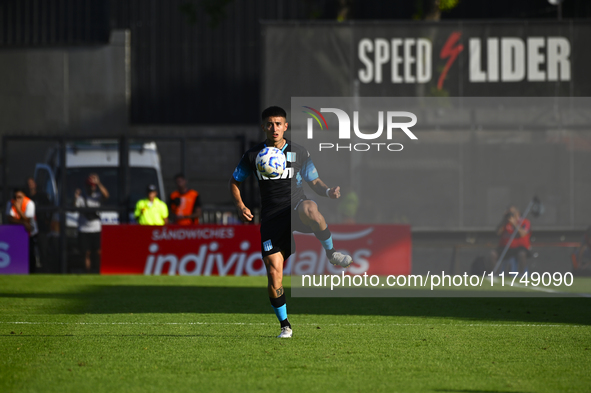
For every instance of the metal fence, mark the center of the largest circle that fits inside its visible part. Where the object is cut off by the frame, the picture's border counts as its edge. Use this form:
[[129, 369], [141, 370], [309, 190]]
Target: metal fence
[[60, 165]]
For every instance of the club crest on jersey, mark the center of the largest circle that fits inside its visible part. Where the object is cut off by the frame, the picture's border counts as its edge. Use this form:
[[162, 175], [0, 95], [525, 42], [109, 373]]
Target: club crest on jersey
[[287, 174]]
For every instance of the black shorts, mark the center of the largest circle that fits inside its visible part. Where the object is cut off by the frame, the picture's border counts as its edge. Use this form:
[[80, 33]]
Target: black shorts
[[277, 232], [89, 241]]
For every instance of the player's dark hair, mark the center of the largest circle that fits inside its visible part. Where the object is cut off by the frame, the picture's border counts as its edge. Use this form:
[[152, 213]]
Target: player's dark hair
[[273, 111], [17, 190], [178, 175]]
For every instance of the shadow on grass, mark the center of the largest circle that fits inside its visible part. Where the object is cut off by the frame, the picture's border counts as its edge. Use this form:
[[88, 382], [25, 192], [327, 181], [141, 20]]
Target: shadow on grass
[[251, 300], [475, 391]]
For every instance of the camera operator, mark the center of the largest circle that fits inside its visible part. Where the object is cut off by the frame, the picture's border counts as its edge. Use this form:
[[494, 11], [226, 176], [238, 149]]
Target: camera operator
[[519, 250], [89, 223]]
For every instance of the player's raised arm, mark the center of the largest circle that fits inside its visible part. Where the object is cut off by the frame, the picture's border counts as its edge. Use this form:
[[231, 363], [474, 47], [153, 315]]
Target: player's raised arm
[[322, 189], [310, 175]]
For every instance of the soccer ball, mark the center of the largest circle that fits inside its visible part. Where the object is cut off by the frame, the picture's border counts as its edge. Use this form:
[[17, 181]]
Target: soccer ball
[[270, 162]]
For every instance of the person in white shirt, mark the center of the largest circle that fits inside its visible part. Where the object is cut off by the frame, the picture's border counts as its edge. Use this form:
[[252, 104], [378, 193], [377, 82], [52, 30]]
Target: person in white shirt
[[89, 223]]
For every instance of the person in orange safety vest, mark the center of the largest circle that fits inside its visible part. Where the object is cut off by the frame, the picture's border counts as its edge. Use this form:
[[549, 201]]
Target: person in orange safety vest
[[185, 204], [20, 210]]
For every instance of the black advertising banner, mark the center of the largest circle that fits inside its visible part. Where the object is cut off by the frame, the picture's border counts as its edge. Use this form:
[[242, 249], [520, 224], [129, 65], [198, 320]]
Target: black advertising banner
[[491, 59], [502, 115]]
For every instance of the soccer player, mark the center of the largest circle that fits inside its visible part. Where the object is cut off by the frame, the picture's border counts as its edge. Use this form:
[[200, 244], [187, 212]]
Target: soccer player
[[285, 207]]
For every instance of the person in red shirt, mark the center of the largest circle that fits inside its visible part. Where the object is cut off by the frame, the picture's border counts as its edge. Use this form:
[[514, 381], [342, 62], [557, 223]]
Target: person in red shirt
[[185, 204], [582, 256], [519, 250]]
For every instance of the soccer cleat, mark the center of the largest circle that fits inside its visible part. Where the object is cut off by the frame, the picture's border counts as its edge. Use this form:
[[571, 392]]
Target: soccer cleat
[[285, 332], [340, 259]]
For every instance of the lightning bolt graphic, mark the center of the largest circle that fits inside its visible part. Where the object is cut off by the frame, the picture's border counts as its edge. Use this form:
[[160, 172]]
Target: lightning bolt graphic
[[450, 51]]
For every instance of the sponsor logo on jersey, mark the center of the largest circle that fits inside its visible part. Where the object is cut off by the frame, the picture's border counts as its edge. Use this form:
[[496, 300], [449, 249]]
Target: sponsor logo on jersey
[[287, 174]]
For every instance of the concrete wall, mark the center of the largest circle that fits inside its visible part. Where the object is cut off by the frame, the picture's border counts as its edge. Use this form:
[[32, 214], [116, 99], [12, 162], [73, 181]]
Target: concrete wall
[[73, 90]]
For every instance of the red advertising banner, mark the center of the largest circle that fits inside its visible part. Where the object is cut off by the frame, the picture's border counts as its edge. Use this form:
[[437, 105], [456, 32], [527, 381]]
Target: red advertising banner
[[376, 249], [236, 250]]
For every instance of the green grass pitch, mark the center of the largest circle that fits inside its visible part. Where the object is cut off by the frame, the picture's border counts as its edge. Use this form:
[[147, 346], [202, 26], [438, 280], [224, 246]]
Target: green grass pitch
[[217, 334]]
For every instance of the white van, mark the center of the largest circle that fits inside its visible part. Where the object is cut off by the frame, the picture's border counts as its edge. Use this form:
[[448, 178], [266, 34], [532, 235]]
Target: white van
[[102, 158]]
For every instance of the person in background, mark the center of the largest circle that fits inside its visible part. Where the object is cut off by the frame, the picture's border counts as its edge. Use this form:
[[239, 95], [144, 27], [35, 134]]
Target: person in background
[[185, 204], [519, 250], [89, 223], [43, 218], [20, 210], [348, 206], [582, 256], [151, 210]]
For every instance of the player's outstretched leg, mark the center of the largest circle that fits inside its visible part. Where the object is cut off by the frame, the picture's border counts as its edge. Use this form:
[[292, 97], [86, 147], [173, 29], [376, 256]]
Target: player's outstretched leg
[[311, 216], [274, 265]]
